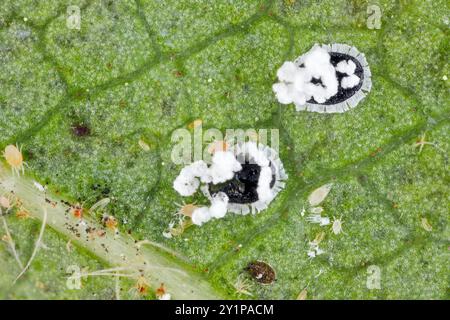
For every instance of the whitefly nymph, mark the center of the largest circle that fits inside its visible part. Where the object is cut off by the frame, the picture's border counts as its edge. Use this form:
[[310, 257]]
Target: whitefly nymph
[[327, 79], [242, 179]]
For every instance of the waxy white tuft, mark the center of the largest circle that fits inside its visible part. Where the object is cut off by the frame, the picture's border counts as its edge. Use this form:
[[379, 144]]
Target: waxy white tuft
[[296, 84], [223, 168]]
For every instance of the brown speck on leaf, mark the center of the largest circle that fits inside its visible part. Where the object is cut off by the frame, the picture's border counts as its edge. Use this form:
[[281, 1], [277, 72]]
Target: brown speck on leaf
[[104, 247], [178, 74], [81, 130], [373, 154], [122, 103], [261, 272], [78, 94], [22, 214], [52, 203], [195, 124], [101, 233]]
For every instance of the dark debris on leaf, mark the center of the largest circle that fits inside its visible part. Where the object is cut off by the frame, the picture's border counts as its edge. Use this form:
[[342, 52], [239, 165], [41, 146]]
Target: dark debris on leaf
[[261, 272]]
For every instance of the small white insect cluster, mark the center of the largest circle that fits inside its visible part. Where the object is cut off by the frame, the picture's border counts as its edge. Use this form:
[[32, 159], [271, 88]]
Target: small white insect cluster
[[327, 79], [223, 169], [314, 200]]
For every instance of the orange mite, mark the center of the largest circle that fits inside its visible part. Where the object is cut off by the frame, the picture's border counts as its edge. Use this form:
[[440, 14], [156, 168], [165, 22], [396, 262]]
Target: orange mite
[[14, 157], [142, 286], [161, 291], [77, 211], [110, 222]]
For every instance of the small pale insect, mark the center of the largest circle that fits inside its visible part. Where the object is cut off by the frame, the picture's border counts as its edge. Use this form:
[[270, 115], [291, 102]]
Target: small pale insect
[[69, 246], [302, 295], [39, 186], [144, 146], [167, 234], [243, 285], [178, 230], [319, 237], [317, 218], [336, 227], [426, 225], [317, 210], [318, 195], [187, 209], [4, 202], [14, 157], [22, 214]]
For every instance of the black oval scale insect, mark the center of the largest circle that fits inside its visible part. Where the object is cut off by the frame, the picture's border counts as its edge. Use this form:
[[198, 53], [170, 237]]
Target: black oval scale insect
[[242, 189], [342, 94], [261, 272], [345, 98]]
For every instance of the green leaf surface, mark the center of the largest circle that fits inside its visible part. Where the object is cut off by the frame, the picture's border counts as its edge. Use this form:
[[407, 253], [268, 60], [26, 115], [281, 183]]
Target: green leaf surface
[[138, 70]]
